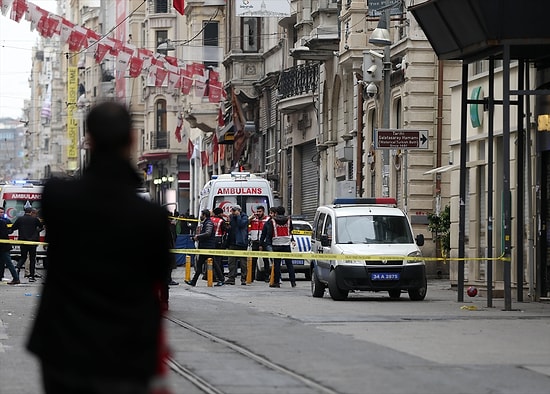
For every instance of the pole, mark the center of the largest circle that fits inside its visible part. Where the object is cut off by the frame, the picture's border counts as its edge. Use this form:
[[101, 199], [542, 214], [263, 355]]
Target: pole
[[386, 114]]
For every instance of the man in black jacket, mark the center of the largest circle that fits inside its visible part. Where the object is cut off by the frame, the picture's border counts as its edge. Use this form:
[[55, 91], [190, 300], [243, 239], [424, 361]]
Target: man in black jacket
[[29, 227], [207, 240], [99, 323], [5, 257]]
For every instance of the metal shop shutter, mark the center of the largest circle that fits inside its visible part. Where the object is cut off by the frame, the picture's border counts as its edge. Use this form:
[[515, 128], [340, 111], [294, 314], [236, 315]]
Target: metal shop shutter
[[310, 181]]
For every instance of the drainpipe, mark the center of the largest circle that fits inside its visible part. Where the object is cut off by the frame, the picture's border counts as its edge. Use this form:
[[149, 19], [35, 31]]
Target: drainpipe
[[359, 166], [439, 133]]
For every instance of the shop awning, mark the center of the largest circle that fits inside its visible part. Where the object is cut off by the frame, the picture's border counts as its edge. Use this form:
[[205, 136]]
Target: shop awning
[[476, 29], [152, 156], [227, 134], [441, 169]]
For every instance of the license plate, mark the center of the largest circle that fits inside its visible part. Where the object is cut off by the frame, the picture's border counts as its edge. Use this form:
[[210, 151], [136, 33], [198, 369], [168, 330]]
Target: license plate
[[297, 262], [384, 276]]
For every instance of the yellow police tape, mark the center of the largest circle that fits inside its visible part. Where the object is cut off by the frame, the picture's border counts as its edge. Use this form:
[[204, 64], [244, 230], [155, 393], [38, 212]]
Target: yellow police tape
[[20, 242], [298, 255], [323, 256]]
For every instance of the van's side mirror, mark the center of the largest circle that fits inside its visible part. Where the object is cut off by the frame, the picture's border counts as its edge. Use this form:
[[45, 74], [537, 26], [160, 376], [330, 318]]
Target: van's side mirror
[[420, 239], [324, 240]]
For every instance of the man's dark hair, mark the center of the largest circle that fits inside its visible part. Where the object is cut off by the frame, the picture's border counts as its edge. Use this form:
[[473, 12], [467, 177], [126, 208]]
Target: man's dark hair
[[217, 211], [109, 125], [260, 207], [206, 212], [280, 210]]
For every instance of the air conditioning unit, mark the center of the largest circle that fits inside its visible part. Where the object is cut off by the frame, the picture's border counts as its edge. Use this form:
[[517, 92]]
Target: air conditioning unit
[[344, 154]]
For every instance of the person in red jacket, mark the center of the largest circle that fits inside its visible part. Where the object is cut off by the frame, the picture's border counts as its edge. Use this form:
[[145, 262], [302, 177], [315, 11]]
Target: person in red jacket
[[256, 223]]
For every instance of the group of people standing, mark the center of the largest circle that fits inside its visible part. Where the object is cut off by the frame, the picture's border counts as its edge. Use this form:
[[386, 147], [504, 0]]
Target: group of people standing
[[29, 227], [262, 232]]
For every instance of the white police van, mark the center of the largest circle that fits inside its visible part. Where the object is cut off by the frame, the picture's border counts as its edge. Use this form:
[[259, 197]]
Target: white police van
[[370, 227]]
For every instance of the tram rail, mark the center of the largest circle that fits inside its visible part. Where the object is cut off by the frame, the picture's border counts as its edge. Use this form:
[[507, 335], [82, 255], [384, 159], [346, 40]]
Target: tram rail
[[207, 387]]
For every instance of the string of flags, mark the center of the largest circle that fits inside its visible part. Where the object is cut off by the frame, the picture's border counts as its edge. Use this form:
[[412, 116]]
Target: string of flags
[[161, 70]]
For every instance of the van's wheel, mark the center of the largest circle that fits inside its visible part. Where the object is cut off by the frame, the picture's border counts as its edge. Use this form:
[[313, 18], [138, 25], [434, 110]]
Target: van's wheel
[[317, 287], [335, 292], [395, 294], [419, 293]]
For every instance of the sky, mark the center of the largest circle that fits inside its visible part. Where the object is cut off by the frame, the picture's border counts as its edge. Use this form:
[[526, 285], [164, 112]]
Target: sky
[[16, 42]]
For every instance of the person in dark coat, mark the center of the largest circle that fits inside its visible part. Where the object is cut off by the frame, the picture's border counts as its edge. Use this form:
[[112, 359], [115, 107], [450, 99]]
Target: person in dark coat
[[207, 240], [28, 227], [98, 328], [5, 257], [238, 240]]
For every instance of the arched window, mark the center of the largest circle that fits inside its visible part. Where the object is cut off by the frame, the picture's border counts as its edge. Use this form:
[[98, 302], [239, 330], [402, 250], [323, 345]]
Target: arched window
[[161, 132]]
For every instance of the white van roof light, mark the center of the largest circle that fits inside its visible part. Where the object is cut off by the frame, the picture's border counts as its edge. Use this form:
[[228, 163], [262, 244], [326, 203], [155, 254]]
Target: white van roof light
[[240, 176]]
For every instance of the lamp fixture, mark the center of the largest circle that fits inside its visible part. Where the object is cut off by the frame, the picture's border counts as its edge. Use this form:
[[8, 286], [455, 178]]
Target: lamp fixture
[[166, 46], [381, 35]]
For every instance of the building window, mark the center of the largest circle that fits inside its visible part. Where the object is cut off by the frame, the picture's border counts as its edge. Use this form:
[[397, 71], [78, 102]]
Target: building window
[[210, 38], [250, 34], [161, 6], [160, 37], [160, 125]]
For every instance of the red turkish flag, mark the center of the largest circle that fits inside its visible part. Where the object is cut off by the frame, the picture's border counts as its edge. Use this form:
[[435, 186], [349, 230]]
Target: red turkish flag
[[77, 39], [190, 148], [204, 158], [18, 9], [179, 5], [187, 81], [215, 147], [136, 65], [221, 121], [100, 52], [178, 128], [214, 91]]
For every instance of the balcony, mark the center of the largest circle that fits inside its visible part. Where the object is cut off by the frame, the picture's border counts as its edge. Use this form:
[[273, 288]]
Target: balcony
[[159, 140], [298, 86]]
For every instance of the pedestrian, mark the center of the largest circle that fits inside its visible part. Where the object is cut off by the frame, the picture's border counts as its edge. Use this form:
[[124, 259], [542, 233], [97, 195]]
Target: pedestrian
[[282, 241], [28, 227], [98, 328], [207, 240], [238, 240], [184, 226], [221, 227], [173, 264], [265, 241], [256, 223], [5, 256]]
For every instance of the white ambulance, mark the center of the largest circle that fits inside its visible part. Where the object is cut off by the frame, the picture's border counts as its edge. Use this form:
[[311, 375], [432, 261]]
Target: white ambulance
[[13, 198], [238, 188]]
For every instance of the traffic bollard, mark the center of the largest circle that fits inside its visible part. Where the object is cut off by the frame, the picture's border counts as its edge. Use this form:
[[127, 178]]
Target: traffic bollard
[[209, 273], [187, 267], [272, 275], [248, 270]]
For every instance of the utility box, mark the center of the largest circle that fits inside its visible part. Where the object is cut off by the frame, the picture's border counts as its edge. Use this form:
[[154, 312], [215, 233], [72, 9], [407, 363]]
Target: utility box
[[373, 66], [344, 154], [345, 189]]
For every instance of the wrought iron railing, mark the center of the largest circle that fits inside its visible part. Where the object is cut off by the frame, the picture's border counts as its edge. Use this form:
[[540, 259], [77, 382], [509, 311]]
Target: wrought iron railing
[[299, 80], [159, 140]]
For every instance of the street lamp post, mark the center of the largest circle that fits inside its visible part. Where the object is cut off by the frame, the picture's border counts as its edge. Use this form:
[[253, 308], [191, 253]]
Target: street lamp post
[[381, 37]]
